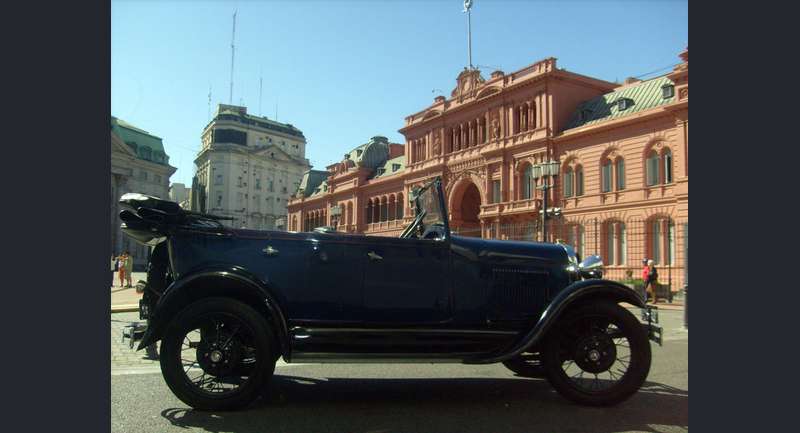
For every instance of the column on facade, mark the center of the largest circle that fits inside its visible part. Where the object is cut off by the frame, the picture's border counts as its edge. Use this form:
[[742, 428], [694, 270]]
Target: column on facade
[[539, 110], [532, 122], [504, 177], [517, 120], [471, 127]]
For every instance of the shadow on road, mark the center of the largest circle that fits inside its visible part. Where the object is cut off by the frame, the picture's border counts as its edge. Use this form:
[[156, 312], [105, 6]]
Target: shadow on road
[[297, 404]]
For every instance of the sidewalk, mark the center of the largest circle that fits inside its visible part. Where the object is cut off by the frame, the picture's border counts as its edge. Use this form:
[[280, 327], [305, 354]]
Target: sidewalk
[[126, 299]]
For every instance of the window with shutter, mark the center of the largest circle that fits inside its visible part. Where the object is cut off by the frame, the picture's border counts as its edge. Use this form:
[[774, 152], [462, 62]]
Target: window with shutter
[[496, 191], [656, 253], [606, 176], [620, 174], [652, 169], [568, 174], [579, 181], [667, 166], [527, 179], [610, 244]]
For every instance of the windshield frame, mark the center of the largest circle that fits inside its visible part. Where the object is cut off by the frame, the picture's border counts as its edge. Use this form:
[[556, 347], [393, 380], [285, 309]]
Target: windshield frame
[[418, 225]]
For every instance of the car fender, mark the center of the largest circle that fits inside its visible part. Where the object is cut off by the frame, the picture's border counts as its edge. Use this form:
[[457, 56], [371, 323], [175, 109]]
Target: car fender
[[243, 285], [578, 292]]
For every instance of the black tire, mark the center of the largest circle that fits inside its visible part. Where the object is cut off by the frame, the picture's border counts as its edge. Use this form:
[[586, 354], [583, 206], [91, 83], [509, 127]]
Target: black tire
[[594, 324], [526, 365], [255, 329]]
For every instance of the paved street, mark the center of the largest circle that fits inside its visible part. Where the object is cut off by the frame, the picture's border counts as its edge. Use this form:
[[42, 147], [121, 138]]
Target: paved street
[[403, 397]]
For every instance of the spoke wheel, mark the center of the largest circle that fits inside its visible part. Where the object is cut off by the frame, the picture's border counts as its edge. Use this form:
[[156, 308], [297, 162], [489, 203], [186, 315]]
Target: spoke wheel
[[599, 355], [216, 354]]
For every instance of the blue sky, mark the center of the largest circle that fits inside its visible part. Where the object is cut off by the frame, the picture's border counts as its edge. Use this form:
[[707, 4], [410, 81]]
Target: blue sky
[[344, 71]]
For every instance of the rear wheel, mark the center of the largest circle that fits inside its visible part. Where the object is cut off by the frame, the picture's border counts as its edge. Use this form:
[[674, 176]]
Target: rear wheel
[[216, 354], [598, 355]]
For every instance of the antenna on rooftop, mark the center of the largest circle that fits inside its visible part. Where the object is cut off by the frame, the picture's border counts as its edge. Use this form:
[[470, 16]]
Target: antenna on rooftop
[[209, 102], [233, 50], [260, 85]]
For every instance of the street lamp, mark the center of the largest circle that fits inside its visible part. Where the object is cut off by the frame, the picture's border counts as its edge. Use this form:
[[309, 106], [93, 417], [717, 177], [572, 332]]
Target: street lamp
[[544, 171]]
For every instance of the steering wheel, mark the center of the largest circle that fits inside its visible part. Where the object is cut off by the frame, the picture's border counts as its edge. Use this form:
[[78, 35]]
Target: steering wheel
[[433, 232]]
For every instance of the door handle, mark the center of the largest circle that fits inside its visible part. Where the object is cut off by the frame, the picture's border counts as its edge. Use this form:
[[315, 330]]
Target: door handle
[[270, 251], [373, 256]]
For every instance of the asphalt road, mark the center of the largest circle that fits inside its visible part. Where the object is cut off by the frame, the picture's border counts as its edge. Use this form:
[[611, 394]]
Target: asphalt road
[[413, 398]]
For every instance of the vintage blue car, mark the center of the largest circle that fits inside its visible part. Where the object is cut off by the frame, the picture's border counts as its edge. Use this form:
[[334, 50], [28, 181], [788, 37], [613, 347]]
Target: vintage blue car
[[226, 304]]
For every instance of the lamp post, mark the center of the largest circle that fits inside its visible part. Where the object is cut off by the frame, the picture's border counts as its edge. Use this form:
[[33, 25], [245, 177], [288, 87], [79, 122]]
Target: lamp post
[[545, 171]]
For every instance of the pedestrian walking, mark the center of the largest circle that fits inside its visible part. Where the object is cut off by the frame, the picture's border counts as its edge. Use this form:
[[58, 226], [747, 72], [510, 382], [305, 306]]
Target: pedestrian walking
[[128, 269], [652, 280], [121, 269], [645, 271]]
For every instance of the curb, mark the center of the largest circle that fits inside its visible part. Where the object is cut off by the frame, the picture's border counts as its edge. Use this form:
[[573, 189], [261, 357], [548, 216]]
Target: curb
[[124, 308]]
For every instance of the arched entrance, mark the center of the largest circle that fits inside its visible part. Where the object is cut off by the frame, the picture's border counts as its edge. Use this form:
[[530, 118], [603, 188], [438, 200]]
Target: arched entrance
[[466, 205]]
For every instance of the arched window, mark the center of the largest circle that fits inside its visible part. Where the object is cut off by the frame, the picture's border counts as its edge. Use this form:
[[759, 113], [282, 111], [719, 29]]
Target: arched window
[[349, 213], [620, 172], [369, 212], [667, 157], [605, 174], [527, 182], [384, 208], [652, 168], [392, 208], [578, 180], [400, 206], [569, 180]]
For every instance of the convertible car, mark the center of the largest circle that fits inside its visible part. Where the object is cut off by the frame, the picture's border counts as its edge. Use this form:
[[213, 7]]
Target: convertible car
[[226, 304]]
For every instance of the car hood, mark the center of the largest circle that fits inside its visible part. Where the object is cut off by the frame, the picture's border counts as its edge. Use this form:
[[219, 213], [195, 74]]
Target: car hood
[[510, 251]]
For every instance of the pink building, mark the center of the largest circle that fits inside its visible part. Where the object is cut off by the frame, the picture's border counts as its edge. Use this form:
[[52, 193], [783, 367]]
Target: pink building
[[621, 192]]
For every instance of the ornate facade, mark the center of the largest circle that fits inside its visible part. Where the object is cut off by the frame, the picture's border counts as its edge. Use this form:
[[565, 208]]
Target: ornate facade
[[622, 150]]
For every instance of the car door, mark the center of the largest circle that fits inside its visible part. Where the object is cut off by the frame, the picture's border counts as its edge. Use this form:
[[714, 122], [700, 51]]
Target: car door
[[406, 281], [319, 280]]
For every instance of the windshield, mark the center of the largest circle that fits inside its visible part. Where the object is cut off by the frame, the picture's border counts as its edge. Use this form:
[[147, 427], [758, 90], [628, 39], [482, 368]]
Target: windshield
[[428, 200], [429, 217]]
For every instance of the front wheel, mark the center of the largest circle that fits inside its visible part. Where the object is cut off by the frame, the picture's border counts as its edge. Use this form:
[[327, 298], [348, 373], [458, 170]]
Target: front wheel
[[216, 354], [598, 355]]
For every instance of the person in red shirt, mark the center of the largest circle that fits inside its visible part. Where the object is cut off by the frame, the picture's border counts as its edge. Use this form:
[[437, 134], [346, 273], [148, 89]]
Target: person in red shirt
[[645, 274]]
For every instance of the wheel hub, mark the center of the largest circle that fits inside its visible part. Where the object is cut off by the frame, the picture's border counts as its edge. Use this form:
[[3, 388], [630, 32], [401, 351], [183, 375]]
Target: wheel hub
[[595, 353], [218, 358]]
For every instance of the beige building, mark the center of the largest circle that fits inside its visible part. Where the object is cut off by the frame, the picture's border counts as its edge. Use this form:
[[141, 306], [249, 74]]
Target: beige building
[[179, 193], [138, 164], [247, 168]]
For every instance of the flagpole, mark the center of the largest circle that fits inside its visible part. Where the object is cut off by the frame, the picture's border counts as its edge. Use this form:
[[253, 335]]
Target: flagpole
[[468, 10], [469, 36]]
